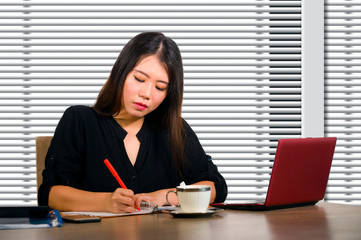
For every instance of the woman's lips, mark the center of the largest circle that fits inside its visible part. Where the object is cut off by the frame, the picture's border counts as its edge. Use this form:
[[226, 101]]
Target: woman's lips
[[140, 106]]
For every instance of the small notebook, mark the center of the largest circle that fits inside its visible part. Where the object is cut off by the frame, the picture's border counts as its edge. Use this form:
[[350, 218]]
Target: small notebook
[[24, 211], [29, 217], [145, 208]]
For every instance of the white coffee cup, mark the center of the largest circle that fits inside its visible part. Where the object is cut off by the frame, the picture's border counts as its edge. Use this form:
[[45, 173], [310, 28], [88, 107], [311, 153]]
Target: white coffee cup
[[192, 198]]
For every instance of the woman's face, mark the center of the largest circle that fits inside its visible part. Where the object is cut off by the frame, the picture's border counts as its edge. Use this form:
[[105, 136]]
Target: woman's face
[[145, 88]]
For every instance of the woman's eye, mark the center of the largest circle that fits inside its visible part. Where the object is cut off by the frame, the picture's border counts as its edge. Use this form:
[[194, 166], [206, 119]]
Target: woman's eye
[[160, 89], [139, 80]]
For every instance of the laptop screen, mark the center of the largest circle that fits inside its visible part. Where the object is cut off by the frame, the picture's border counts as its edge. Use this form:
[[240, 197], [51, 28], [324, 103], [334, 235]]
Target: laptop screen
[[300, 171]]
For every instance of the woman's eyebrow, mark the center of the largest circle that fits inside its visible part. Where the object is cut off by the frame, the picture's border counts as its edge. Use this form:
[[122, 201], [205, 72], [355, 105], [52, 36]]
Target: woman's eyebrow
[[161, 81], [145, 74], [142, 73]]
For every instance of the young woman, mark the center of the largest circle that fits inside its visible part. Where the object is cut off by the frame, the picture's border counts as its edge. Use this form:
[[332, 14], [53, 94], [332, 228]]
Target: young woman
[[136, 123]]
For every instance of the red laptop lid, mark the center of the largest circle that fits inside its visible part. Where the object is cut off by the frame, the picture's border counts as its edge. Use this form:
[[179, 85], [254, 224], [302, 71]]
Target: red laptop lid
[[300, 171]]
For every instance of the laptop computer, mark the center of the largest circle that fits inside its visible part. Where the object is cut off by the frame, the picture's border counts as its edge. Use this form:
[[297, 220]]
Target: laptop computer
[[299, 176]]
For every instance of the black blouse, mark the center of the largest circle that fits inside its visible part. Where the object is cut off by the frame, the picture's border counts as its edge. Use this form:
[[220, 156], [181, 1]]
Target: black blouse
[[83, 139]]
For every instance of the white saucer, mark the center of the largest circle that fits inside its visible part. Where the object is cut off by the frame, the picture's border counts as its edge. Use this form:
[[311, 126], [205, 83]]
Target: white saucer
[[182, 214]]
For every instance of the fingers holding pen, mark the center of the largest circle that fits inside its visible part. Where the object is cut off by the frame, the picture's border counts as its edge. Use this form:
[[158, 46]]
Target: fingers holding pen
[[123, 200]]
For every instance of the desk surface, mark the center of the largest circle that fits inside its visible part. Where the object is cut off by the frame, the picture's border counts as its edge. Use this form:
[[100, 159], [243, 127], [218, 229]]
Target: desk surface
[[322, 221]]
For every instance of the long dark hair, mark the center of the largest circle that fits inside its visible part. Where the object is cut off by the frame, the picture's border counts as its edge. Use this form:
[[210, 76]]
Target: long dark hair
[[168, 114]]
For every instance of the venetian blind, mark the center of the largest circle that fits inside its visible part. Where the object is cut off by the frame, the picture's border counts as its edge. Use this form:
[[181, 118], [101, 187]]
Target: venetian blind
[[242, 62], [342, 97]]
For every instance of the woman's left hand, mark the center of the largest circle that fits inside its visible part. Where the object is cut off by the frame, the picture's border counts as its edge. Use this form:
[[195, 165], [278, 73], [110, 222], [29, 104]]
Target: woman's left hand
[[158, 197]]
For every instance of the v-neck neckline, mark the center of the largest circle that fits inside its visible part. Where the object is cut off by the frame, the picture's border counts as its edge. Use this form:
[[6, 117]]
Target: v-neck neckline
[[143, 137]]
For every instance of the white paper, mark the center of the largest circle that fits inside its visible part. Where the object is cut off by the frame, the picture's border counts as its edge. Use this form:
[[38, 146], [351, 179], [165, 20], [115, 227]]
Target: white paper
[[108, 214]]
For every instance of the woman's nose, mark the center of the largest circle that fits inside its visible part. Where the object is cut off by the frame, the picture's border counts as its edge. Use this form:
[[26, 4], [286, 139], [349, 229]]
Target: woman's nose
[[145, 91]]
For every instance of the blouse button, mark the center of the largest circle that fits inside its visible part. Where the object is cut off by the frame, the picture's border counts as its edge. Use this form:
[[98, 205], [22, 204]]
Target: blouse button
[[133, 178]]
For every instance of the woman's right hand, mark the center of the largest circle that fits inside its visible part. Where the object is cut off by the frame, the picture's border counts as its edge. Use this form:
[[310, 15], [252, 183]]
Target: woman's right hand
[[121, 200]]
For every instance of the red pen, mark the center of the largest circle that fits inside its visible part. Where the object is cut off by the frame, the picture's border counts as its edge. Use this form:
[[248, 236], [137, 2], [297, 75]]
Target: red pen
[[115, 174]]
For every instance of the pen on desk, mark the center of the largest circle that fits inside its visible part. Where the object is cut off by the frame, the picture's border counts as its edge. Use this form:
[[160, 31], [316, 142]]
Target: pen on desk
[[115, 174]]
